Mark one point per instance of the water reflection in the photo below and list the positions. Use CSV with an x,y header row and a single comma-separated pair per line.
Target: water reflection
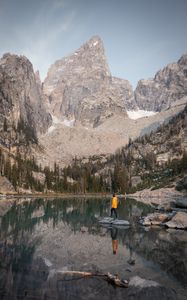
x,y
42,235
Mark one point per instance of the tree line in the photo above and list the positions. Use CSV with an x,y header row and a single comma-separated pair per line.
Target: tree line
x,y
113,174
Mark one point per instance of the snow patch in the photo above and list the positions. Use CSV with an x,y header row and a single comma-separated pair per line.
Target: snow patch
x,y
50,129
95,43
56,120
69,123
137,114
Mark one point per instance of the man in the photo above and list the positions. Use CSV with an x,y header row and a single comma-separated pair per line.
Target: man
x,y
114,206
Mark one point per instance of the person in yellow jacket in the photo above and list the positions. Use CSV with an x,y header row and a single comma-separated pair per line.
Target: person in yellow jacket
x,y
114,206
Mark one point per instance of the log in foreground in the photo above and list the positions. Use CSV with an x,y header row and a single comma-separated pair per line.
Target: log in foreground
x,y
110,278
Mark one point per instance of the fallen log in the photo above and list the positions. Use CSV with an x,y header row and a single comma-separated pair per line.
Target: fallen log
x,y
110,278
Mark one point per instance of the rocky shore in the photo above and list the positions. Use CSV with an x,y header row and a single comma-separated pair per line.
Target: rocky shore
x,y
163,197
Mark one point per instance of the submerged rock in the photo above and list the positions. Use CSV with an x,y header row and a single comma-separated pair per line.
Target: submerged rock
x,y
142,289
88,287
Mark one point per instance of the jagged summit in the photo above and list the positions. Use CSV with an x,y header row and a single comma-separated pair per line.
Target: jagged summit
x,y
89,59
168,86
80,87
183,60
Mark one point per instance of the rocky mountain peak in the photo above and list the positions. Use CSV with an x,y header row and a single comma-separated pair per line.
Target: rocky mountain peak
x,y
168,86
21,99
88,60
183,61
80,87
16,68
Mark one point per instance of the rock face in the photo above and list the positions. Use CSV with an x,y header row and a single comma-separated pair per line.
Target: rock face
x,y
5,185
168,85
81,89
21,98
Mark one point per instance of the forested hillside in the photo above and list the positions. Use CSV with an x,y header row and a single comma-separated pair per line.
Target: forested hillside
x,y
154,160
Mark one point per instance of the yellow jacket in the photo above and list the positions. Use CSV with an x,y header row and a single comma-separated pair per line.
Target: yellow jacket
x,y
114,202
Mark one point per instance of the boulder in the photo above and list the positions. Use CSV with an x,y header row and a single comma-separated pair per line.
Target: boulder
x,y
142,289
182,203
181,184
156,219
120,222
179,221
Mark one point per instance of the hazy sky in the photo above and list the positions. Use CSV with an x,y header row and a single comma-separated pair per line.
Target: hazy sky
x,y
140,36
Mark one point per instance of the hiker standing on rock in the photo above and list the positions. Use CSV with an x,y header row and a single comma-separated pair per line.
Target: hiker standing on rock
x,y
114,206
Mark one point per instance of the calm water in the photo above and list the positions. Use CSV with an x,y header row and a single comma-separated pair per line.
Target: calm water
x,y
39,238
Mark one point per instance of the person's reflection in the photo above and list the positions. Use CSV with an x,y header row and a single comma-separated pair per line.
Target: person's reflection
x,y
114,233
131,260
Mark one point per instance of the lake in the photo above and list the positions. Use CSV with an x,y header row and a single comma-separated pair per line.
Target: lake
x,y
40,238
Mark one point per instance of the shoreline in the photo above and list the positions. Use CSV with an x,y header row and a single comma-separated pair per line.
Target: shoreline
x,y
162,196
50,195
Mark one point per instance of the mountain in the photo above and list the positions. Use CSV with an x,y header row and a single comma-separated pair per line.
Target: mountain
x,y
81,89
155,160
81,109
22,108
90,107
168,86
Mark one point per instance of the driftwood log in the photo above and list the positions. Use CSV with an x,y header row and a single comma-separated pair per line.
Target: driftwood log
x,y
110,278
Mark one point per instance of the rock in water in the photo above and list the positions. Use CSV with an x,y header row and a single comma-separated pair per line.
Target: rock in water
x,y
120,222
106,220
155,219
182,203
179,221
143,289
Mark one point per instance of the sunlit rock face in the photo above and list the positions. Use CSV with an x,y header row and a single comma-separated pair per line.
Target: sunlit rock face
x,y
168,85
80,87
21,95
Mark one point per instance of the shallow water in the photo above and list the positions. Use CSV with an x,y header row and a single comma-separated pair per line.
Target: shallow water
x,y
41,237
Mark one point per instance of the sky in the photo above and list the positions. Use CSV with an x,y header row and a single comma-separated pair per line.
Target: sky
x,y
140,36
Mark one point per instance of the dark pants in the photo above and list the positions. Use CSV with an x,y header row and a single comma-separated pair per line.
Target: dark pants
x,y
115,212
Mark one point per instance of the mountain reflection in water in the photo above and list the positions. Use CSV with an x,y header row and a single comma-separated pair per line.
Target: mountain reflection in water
x,y
41,237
